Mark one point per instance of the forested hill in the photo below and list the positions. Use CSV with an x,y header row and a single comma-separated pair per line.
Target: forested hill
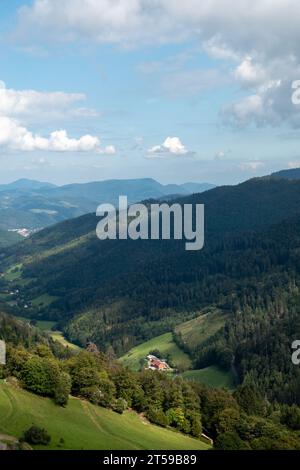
x,y
33,204
255,204
290,174
121,293
68,262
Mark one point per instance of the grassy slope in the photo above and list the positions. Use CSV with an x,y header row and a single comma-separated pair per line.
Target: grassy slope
x,y
84,426
43,300
59,337
165,344
45,325
14,272
194,333
212,377
198,330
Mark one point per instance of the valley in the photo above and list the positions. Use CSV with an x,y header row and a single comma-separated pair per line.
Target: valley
x,y
208,314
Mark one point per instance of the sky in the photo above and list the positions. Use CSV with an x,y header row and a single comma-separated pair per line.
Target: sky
x,y
198,90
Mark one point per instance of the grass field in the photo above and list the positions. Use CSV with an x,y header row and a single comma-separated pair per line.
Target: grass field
x,y
59,337
195,332
45,325
82,425
212,377
166,346
43,300
13,273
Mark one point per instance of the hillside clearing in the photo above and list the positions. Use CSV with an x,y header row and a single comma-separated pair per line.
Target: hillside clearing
x,y
59,337
43,300
212,377
13,273
165,345
197,331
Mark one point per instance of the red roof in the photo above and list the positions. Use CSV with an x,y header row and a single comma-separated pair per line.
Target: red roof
x,y
158,364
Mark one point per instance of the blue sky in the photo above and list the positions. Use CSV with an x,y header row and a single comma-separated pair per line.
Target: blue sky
x,y
95,89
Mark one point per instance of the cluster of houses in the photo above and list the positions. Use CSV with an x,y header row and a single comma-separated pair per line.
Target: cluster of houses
x,y
154,363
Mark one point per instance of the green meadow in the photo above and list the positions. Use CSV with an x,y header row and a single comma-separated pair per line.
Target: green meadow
x,y
164,344
212,377
82,425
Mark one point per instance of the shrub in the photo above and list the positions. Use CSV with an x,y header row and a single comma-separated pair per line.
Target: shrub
x,y
119,405
62,389
36,435
230,441
157,416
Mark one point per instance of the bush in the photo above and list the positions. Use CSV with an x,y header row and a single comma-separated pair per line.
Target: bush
x,y
62,389
119,405
36,435
290,416
230,441
157,416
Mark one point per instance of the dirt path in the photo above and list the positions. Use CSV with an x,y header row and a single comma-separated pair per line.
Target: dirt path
x,y
91,415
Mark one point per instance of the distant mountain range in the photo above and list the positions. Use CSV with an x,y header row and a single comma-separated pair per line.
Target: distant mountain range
x,y
24,183
34,204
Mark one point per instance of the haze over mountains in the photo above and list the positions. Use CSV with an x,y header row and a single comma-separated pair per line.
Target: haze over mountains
x,y
34,205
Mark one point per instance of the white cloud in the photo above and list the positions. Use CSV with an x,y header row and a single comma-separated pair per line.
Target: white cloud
x,y
109,150
244,110
251,166
14,136
262,36
221,154
250,73
17,107
269,105
218,49
172,146
270,25
30,104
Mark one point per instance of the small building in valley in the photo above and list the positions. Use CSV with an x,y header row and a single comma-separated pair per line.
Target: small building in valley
x,y
154,363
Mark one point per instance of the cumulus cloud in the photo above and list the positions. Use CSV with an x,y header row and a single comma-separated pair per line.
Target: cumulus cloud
x,y
269,104
17,137
17,107
261,36
172,146
271,26
249,73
